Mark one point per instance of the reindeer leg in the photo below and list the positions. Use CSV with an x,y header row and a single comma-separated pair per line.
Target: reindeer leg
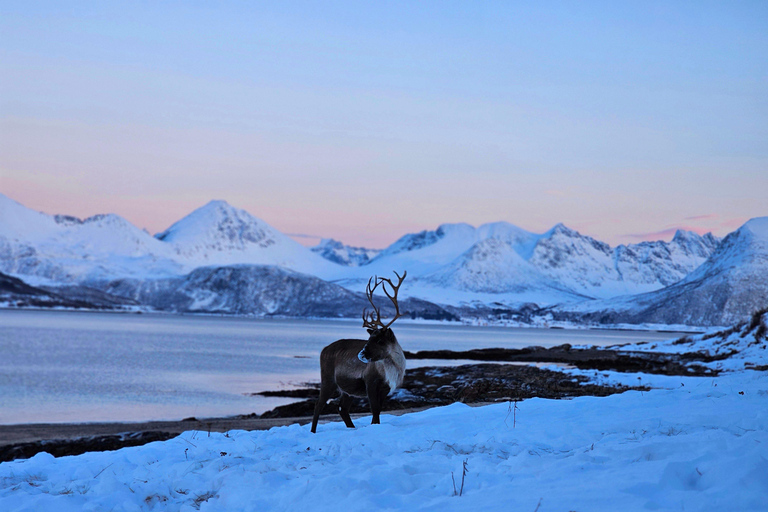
x,y
326,390
377,395
345,402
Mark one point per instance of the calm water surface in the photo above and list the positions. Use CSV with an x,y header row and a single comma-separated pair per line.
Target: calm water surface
x,y
83,367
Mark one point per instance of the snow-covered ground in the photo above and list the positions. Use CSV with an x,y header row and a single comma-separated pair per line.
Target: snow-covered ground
x,y
689,444
702,446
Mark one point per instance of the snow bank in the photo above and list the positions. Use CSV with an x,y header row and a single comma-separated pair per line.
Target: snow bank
x,y
700,446
737,348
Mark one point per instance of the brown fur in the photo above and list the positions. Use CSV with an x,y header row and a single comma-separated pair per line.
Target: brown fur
x,y
342,370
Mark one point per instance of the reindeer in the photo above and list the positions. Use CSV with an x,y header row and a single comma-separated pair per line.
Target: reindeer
x,y
370,368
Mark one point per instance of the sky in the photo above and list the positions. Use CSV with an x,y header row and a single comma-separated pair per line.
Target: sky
x,y
364,121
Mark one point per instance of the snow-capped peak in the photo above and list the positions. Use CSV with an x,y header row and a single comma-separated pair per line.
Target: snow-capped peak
x,y
220,226
64,248
448,241
19,222
220,234
337,252
730,285
757,227
746,245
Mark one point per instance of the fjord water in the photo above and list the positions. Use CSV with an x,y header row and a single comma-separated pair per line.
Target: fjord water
x,y
84,367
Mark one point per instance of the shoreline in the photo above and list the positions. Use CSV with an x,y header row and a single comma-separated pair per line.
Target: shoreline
x,y
423,388
22,441
660,328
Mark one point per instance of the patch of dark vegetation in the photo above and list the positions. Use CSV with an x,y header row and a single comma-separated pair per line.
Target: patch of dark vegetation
x,y
588,359
474,383
756,319
760,333
757,322
62,447
724,333
685,340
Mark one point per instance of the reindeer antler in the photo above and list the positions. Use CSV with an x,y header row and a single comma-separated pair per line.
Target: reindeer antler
x,y
373,320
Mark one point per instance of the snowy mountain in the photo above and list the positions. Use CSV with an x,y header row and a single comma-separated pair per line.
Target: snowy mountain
x,y
336,252
255,290
665,263
258,290
220,234
426,252
729,286
458,265
492,266
590,267
579,262
49,249
558,265
432,259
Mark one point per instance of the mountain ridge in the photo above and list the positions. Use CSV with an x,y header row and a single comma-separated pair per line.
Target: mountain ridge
x,y
728,287
495,265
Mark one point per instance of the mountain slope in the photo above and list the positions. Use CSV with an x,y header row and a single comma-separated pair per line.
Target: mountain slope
x,y
456,264
590,267
664,263
65,249
725,289
220,234
15,293
259,290
578,262
336,252
560,264
492,266
59,249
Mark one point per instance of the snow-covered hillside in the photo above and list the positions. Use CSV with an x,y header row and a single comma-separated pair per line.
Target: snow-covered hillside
x,y
727,288
458,265
493,266
691,443
253,290
560,265
337,252
428,251
664,263
49,249
593,268
220,234
260,291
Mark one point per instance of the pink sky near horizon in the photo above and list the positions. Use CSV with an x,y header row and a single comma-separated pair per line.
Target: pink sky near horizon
x,y
157,214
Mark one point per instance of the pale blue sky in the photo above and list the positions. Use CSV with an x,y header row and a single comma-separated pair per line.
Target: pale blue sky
x,y
364,121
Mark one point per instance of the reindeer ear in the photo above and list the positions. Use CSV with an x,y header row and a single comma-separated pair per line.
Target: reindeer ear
x,y
371,331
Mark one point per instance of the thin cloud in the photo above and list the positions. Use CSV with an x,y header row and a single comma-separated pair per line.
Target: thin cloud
x,y
702,217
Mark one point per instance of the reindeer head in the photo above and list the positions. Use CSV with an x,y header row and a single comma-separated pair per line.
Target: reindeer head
x,y
381,338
